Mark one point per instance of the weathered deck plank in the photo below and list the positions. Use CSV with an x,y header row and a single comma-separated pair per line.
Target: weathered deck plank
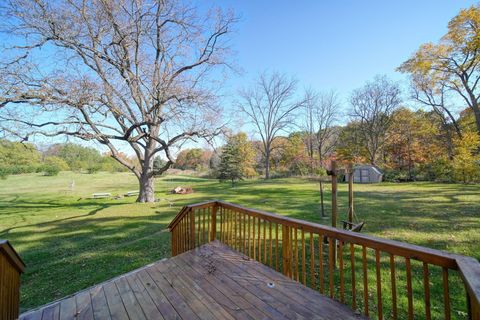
x,y
209,282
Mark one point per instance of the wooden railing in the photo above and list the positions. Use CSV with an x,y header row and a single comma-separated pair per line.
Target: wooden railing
x,y
378,277
11,267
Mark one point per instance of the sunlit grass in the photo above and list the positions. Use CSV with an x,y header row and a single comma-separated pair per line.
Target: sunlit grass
x,y
70,242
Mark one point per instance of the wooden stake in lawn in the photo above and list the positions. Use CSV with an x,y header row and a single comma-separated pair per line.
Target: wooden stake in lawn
x,y
333,174
350,193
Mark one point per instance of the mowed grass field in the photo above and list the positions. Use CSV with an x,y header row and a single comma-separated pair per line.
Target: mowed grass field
x,y
70,242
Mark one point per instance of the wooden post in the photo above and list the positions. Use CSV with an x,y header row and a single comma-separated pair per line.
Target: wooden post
x,y
350,193
213,230
334,193
334,210
11,267
286,250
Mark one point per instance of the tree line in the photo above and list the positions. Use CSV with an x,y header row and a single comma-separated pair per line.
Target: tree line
x,y
144,77
18,158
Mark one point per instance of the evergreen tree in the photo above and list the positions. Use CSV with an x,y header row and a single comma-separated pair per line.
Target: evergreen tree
x,y
236,159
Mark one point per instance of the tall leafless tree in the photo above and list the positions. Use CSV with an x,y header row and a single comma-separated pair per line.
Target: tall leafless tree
x,y
124,73
372,106
270,105
321,110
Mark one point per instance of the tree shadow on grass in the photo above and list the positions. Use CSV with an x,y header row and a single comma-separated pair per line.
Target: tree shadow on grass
x,y
51,204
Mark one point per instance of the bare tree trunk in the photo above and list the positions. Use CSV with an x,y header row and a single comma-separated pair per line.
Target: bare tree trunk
x,y
147,189
267,164
147,179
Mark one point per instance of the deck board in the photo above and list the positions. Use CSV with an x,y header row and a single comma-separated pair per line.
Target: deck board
x,y
210,282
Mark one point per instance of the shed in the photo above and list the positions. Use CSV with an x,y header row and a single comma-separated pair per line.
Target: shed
x,y
366,174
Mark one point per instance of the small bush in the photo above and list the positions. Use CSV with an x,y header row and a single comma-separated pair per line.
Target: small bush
x,y
4,172
57,162
93,169
51,170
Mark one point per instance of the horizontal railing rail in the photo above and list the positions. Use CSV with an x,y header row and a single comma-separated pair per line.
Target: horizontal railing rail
x,y
11,267
378,277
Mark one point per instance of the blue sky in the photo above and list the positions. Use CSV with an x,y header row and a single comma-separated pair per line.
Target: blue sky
x,y
333,44
329,45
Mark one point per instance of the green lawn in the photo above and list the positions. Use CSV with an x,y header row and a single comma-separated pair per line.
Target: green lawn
x,y
70,242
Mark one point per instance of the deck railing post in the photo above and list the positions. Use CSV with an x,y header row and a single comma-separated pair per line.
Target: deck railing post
x,y
213,232
286,250
192,229
11,267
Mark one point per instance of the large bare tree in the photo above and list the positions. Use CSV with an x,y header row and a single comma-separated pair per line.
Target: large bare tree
x,y
125,73
270,105
372,106
322,111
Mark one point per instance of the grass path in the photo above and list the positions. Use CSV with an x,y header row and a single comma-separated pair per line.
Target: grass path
x,y
70,242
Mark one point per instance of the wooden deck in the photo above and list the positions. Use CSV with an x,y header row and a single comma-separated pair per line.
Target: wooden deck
x,y
209,282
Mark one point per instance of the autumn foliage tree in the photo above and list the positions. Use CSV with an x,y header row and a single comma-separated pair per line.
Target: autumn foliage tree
x,y
412,141
237,159
451,66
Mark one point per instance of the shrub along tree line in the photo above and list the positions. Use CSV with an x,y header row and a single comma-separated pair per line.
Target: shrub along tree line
x,y
17,158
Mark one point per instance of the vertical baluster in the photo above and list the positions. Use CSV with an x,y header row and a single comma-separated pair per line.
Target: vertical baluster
x,y
199,223
320,264
271,247
240,231
342,285
293,246
192,227
225,226
426,286
235,230
446,293
379,285
304,260
244,233
189,233
285,250
297,262
180,236
209,223
221,224
259,239
203,228
264,241
352,265
331,260
393,281
185,234
276,246
365,280
254,239
230,227
248,236
312,262
409,288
